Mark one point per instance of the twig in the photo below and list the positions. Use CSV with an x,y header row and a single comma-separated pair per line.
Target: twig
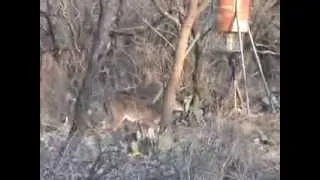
x,y
242,61
157,97
228,160
155,30
239,95
121,33
128,28
168,32
235,105
266,51
266,87
70,22
203,5
192,44
46,14
206,32
269,52
43,29
64,150
263,45
166,14
95,166
50,27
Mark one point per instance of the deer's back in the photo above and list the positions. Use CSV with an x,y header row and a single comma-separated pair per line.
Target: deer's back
x,y
133,107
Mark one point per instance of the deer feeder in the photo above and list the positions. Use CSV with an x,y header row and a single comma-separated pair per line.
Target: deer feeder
x,y
227,15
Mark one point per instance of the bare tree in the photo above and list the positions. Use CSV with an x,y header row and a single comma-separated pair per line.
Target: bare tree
x,y
195,8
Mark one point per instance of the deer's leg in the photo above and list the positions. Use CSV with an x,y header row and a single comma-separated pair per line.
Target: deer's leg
x,y
117,121
148,123
118,125
148,128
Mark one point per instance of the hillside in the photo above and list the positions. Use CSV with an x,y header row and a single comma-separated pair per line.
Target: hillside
x,y
91,49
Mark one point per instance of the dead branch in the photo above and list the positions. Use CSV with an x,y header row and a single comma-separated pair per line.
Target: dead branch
x,y
266,86
99,39
167,15
155,30
50,25
194,41
269,52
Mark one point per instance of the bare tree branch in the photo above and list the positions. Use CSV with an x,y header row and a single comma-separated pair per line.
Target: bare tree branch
x,y
155,30
50,26
170,92
166,14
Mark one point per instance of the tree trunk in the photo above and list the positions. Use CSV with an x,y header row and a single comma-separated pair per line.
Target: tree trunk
x,y
195,8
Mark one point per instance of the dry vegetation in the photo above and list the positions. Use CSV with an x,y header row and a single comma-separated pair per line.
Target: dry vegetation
x,y
90,49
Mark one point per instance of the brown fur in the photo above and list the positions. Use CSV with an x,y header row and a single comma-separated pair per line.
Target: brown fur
x,y
128,106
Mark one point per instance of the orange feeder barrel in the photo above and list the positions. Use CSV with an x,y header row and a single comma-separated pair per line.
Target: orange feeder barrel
x,y
227,15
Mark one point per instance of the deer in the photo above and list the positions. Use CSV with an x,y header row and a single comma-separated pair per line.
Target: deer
x,y
129,106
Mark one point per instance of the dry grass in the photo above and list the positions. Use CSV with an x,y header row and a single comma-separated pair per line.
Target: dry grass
x,y
219,144
201,153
